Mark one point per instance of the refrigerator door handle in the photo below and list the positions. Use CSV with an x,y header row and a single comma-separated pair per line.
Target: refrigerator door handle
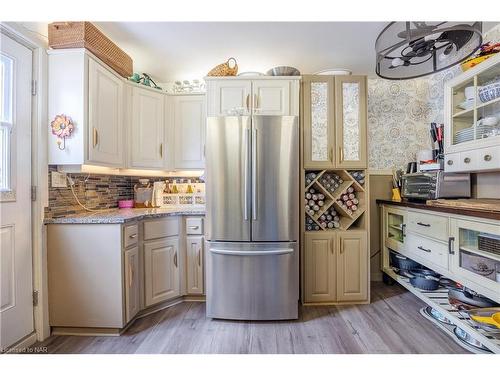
x,y
254,174
256,252
246,142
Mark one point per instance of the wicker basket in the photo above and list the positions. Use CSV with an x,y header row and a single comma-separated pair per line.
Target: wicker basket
x,y
224,69
86,35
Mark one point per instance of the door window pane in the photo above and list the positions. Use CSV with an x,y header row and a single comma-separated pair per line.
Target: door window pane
x,y
319,121
6,94
351,131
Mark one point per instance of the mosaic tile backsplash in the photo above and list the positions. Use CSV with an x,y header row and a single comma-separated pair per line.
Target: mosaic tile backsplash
x,y
95,191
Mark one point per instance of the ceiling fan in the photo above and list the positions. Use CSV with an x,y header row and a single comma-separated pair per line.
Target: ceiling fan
x,y
415,49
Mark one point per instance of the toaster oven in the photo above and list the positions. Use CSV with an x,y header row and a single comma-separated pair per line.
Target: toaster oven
x,y
436,184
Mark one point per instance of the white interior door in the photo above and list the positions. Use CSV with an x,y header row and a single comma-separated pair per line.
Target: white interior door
x,y
16,288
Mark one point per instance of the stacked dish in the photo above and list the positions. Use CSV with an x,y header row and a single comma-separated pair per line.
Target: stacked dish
x,y
466,135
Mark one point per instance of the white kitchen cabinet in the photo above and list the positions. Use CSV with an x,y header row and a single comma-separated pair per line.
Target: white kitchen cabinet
x,y
229,97
259,96
194,265
132,283
92,95
189,131
105,115
469,146
161,270
147,141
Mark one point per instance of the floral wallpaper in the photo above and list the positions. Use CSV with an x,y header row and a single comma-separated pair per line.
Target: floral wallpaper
x,y
319,120
350,104
400,113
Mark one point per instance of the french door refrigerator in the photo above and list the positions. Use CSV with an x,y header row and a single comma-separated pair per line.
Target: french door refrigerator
x,y
252,187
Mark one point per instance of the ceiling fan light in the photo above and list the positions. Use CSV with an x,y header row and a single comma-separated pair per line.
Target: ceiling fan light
x,y
414,49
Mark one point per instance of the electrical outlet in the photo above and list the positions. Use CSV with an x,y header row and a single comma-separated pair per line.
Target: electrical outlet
x,y
58,180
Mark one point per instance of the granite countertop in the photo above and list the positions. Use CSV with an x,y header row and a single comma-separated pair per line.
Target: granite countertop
x,y
118,216
494,215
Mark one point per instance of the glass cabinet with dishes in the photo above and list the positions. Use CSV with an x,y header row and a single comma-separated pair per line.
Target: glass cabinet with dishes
x,y
334,119
472,118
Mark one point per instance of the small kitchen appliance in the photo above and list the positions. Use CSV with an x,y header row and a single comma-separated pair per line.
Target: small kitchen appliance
x,y
436,184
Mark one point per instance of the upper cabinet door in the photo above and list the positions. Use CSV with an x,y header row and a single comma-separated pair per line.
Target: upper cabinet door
x,y
147,135
272,97
229,97
318,120
350,119
189,132
105,130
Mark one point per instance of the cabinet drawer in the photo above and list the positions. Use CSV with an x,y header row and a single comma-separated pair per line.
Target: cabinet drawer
x,y
130,235
452,162
161,228
469,160
194,225
428,250
428,225
488,158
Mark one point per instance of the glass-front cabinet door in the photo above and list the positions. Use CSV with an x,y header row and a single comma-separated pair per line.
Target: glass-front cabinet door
x,y
350,121
395,228
475,256
318,116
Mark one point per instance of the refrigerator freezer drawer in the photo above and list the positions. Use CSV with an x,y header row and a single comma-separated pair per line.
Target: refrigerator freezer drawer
x,y
252,281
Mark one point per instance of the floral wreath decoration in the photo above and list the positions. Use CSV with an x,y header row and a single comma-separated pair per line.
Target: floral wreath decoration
x,y
62,126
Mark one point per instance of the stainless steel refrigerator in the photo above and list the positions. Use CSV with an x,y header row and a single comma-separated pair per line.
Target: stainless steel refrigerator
x,y
252,187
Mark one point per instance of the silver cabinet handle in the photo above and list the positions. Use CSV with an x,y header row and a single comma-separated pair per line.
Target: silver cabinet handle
x,y
130,275
423,224
161,150
193,226
449,162
248,102
423,249
199,257
451,242
467,160
487,157
246,142
254,174
175,259
133,235
251,253
403,229
255,101
95,138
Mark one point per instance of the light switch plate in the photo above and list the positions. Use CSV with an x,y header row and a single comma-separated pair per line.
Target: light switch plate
x,y
58,180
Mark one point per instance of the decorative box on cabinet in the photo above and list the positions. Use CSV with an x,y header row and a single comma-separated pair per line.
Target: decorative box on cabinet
x,y
89,92
474,149
259,96
334,121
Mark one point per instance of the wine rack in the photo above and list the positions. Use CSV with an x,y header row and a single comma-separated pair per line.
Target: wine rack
x,y
333,199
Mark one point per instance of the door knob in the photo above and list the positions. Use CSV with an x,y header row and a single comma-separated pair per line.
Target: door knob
x,y
467,160
487,157
449,162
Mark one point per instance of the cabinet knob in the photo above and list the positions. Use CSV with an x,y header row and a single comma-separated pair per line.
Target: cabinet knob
x,y
449,162
487,157
467,160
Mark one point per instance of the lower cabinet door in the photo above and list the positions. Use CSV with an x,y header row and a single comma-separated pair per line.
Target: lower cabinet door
x,y
319,259
194,250
132,285
352,267
161,270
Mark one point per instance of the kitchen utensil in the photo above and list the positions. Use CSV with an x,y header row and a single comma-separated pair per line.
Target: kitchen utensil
x,y
469,297
466,104
425,279
468,339
488,121
490,91
128,203
143,194
493,320
437,315
334,72
401,262
283,71
470,92
229,68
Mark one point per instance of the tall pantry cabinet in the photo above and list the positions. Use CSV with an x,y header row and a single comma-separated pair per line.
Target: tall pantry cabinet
x,y
334,190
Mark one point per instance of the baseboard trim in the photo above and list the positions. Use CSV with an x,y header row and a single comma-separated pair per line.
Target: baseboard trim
x,y
22,346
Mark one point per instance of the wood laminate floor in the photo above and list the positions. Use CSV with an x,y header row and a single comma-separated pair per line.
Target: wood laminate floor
x,y
390,324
